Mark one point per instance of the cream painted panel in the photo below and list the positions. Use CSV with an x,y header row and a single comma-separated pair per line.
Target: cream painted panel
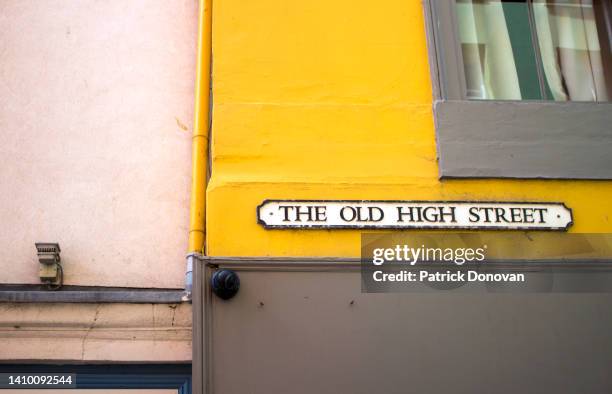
x,y
95,332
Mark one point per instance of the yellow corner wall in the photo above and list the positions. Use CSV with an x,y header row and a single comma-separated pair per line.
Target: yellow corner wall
x,y
333,100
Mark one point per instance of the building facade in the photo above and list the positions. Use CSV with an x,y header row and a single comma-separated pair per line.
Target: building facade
x,y
307,104
324,102
96,115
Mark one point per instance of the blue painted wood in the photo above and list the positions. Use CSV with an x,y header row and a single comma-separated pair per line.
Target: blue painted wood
x,y
116,376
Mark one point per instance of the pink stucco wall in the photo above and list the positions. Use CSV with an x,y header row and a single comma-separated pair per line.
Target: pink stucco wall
x,y
96,102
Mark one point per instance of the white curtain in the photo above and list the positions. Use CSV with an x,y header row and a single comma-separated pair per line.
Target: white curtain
x,y
571,54
490,69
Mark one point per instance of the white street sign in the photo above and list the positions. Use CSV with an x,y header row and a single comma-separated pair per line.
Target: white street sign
x,y
335,214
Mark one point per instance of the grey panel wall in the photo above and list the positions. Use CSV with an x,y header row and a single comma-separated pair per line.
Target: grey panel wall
x,y
298,331
524,139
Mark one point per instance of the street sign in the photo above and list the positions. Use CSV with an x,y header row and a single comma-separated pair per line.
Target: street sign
x,y
485,215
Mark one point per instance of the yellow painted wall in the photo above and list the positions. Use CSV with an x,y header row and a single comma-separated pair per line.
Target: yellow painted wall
x,y
333,100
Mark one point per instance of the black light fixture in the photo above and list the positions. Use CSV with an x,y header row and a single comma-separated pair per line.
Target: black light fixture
x,y
225,283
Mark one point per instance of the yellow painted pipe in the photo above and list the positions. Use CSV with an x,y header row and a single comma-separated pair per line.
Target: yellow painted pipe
x,y
200,130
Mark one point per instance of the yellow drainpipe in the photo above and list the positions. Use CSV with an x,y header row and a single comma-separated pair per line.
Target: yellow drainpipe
x,y
200,131
199,150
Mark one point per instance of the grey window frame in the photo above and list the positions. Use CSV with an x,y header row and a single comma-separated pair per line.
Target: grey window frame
x,y
503,138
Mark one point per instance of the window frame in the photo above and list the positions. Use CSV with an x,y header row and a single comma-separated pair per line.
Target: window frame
x,y
508,138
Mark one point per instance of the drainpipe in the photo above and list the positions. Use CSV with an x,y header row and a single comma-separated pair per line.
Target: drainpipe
x,y
199,155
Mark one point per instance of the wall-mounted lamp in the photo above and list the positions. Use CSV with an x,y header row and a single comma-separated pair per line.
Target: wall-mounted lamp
x,y
50,272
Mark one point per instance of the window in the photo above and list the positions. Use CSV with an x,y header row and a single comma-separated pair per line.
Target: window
x,y
523,88
536,49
